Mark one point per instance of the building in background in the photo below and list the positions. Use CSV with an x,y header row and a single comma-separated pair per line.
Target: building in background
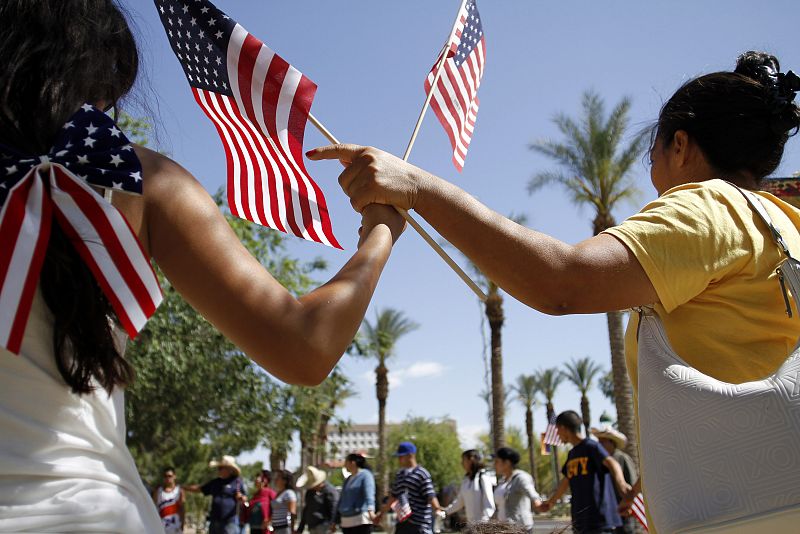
x,y
362,439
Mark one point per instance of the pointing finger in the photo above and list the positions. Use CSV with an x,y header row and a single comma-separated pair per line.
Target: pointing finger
x,y
342,152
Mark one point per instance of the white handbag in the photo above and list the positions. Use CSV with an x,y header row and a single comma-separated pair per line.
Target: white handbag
x,y
720,457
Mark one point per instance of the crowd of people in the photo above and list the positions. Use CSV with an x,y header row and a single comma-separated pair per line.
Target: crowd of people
x,y
598,474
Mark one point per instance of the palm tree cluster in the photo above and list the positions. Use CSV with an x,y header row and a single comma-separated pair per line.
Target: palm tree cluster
x,y
544,382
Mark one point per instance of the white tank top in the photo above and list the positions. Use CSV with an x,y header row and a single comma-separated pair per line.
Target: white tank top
x,y
64,465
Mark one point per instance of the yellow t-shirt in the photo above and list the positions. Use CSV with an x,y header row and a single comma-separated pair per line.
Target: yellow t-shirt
x,y
712,263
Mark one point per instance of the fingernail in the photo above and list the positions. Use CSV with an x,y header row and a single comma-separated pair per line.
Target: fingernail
x,y
311,152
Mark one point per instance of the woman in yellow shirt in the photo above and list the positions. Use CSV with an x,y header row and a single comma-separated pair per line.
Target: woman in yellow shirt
x,y
698,253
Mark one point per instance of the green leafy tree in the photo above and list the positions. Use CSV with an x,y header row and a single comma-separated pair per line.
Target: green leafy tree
x,y
337,389
582,373
596,172
438,448
526,390
379,340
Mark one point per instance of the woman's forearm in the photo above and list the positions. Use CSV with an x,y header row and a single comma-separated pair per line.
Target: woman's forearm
x,y
527,264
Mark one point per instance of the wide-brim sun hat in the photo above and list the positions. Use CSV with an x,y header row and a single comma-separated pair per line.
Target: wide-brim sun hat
x,y
312,478
611,433
226,461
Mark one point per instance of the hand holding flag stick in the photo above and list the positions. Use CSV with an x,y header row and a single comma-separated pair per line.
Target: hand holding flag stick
x,y
415,225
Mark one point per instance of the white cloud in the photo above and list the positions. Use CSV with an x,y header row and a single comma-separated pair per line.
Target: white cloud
x,y
416,370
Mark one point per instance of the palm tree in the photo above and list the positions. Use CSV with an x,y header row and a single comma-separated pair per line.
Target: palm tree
x,y
596,172
380,339
581,373
526,389
495,316
549,380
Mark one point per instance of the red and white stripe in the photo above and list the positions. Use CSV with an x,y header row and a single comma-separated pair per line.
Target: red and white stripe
x,y
638,510
455,98
262,129
100,234
551,435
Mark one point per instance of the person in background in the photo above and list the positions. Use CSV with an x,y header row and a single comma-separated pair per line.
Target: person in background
x,y
413,491
319,505
614,441
170,501
257,512
227,495
355,512
515,494
475,494
588,474
284,505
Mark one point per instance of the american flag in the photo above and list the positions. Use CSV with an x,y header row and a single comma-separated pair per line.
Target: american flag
x,y
259,105
38,191
551,433
455,98
638,511
402,508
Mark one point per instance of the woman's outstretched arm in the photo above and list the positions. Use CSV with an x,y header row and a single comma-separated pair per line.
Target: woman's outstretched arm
x,y
299,340
597,275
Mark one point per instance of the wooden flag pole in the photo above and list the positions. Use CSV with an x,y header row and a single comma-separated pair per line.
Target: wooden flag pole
x,y
415,225
436,76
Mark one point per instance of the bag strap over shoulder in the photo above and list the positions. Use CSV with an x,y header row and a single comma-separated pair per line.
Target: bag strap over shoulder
x,y
789,270
757,206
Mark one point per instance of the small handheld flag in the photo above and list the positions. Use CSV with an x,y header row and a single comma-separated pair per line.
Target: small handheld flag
x,y
638,510
455,95
551,433
259,104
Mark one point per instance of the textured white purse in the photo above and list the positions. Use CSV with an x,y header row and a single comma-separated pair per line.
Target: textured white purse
x,y
720,457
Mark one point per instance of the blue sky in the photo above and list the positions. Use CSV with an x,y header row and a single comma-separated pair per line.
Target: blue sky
x,y
370,58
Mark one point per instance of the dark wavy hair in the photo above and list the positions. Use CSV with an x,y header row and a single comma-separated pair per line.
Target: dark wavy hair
x,y
58,55
476,464
741,120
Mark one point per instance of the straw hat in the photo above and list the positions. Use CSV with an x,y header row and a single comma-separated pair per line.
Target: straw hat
x,y
312,478
610,433
226,461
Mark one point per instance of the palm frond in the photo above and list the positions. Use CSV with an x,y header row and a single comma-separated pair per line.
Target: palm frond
x,y
581,373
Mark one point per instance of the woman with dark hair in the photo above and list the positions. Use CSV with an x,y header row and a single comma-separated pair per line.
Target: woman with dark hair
x,y
356,509
74,265
475,494
284,505
699,255
515,494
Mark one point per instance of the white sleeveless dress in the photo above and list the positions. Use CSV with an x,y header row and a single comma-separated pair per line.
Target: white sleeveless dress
x,y
64,465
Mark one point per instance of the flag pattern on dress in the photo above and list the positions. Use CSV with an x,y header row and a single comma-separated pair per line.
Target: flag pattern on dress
x,y
259,105
638,510
551,432
455,97
88,151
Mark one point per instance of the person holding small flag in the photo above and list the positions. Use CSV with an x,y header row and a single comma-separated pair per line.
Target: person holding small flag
x,y
83,211
413,497
614,441
710,267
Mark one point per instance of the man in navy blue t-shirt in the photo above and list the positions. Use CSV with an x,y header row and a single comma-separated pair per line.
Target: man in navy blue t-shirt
x,y
588,473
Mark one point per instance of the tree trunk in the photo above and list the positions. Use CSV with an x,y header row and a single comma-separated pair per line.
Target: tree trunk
x,y
623,393
494,314
531,442
586,414
277,460
322,450
382,392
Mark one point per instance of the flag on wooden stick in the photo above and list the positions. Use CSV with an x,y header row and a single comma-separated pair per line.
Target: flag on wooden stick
x,y
259,104
455,96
